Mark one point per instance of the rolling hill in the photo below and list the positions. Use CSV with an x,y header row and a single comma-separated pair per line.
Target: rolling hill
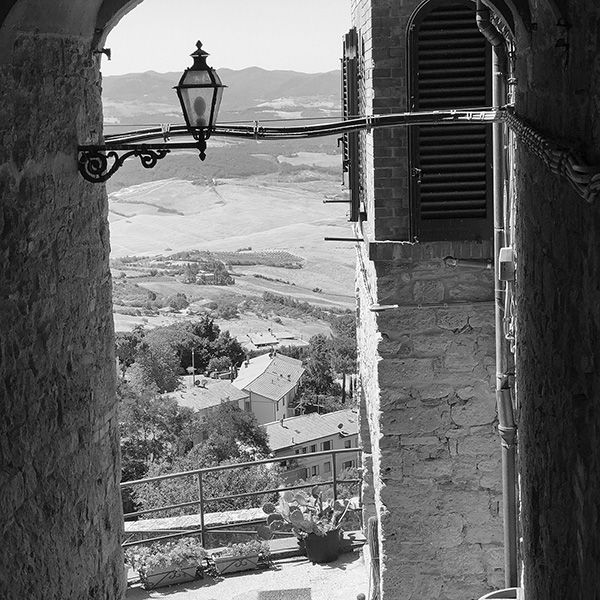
x,y
246,194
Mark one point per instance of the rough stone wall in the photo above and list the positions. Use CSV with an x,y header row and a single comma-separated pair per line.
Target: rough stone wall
x,y
60,514
558,275
429,375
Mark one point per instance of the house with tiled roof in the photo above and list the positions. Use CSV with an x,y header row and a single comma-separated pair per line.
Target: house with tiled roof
x,y
297,438
271,382
205,395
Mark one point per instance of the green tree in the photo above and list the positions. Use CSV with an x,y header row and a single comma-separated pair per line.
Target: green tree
x,y
156,365
153,428
127,346
178,302
234,433
214,484
221,363
318,376
234,436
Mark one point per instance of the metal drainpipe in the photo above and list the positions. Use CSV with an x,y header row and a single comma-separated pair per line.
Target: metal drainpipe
x,y
506,424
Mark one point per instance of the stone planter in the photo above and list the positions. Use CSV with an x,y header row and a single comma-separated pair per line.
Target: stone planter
x,y
323,548
234,564
169,576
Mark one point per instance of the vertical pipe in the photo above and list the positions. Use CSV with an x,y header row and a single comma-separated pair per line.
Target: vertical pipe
x,y
334,476
506,425
503,397
201,500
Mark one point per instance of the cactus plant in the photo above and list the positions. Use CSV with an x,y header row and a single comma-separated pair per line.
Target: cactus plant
x,y
303,514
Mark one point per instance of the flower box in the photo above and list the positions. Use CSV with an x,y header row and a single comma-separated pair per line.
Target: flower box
x,y
170,576
234,564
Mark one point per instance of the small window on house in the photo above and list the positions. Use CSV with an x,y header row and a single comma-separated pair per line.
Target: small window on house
x,y
348,464
327,467
347,443
297,451
326,445
313,448
314,470
247,405
304,450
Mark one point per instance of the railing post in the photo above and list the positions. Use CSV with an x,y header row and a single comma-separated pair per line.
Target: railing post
x,y
334,475
201,500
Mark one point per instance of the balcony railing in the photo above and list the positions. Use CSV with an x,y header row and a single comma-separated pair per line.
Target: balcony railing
x,y
202,501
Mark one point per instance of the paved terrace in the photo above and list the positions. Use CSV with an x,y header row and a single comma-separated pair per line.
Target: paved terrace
x,y
291,577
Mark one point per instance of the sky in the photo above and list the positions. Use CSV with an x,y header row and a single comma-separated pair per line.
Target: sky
x,y
296,35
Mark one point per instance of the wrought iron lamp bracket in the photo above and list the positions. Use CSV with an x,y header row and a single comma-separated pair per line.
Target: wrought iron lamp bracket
x,y
99,163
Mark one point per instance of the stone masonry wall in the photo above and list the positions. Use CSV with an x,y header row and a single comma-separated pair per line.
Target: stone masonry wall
x,y
60,512
558,307
429,376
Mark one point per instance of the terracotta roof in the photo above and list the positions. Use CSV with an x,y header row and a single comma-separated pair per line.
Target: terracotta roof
x,y
211,392
307,428
263,339
270,376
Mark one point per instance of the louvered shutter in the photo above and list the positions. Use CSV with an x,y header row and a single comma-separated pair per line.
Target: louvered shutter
x,y
451,178
350,141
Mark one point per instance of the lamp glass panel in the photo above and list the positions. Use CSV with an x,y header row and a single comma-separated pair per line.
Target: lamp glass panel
x,y
197,104
191,77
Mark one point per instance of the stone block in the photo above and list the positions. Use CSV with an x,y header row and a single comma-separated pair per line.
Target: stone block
x,y
428,292
479,410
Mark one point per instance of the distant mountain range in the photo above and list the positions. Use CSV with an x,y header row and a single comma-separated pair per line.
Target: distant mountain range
x,y
251,94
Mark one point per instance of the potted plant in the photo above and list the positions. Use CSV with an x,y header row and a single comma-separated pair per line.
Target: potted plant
x,y
315,522
240,557
167,563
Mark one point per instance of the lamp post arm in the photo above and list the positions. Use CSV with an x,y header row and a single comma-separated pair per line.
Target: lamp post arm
x,y
97,163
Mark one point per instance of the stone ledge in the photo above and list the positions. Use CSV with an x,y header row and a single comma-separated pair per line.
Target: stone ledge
x,y
389,250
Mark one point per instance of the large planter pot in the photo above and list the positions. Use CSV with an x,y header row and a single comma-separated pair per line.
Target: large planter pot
x,y
323,548
170,576
233,564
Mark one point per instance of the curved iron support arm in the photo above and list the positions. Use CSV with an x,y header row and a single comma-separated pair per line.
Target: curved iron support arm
x,y
95,166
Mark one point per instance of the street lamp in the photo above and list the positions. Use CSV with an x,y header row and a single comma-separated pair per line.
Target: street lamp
x,y
200,91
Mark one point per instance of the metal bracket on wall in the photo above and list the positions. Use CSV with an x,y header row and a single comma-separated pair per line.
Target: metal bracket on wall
x,y
94,162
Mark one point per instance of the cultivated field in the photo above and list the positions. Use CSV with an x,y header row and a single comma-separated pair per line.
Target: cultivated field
x,y
265,213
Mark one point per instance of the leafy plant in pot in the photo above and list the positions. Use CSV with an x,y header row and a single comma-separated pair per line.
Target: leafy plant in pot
x,y
314,521
241,556
167,563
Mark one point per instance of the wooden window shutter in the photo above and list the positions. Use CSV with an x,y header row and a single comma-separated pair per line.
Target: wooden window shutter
x,y
450,165
350,141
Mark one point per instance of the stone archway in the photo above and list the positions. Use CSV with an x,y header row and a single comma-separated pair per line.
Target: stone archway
x,y
61,511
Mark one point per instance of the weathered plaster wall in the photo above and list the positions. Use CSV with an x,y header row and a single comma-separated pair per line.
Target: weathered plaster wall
x,y
60,514
558,275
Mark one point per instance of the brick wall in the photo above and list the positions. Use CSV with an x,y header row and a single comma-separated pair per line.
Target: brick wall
x,y
60,514
558,349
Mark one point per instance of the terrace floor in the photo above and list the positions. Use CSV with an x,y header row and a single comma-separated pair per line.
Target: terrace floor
x,y
289,578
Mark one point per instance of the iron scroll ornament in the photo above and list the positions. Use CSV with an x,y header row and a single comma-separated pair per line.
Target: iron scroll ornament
x,y
93,163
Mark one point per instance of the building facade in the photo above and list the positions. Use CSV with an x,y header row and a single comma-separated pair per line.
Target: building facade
x,y
271,382
295,439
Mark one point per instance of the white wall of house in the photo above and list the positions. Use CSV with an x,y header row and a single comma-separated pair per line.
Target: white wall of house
x,y
304,466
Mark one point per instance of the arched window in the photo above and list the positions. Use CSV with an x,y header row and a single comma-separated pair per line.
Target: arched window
x,y
450,165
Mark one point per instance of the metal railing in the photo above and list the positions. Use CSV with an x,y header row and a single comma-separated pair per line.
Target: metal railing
x,y
202,501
